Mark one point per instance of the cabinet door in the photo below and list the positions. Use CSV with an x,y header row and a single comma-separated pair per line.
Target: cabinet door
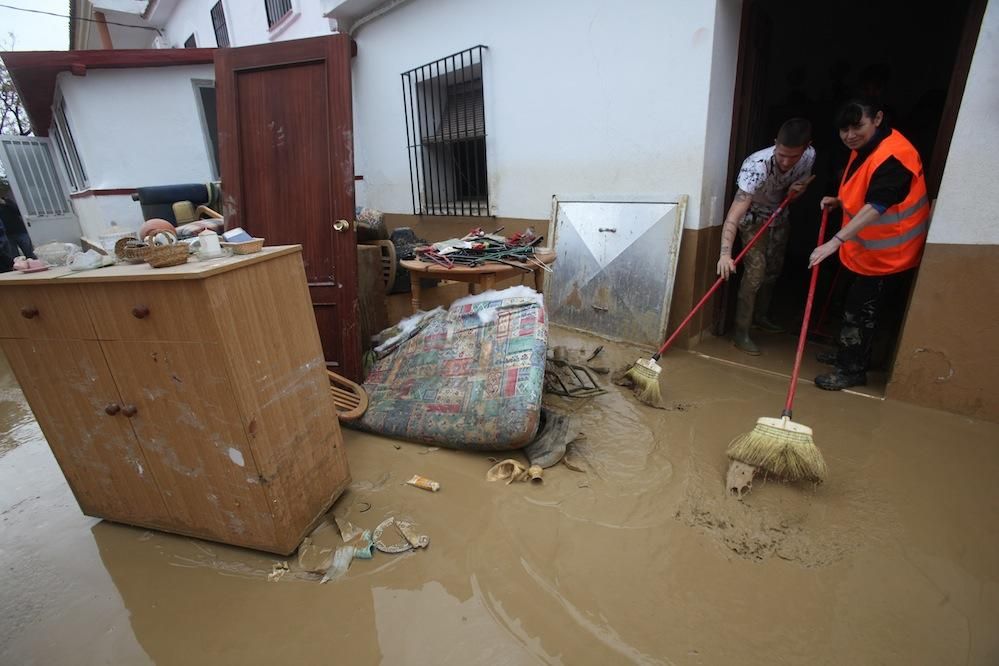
x,y
182,411
70,390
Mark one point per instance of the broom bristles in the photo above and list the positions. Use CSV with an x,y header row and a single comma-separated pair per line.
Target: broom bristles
x,y
782,448
646,381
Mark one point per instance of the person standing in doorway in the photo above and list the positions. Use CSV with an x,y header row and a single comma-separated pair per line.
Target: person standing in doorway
x,y
19,242
766,177
885,220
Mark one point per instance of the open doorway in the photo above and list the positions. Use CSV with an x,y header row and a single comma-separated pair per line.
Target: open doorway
x,y
805,59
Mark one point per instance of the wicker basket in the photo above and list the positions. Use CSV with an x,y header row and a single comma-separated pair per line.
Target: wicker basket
x,y
162,256
246,247
131,250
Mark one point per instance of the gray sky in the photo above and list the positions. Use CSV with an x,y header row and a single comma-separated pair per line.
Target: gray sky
x,y
36,32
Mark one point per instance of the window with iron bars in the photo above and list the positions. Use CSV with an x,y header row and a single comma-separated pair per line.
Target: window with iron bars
x,y
218,23
446,135
191,42
276,10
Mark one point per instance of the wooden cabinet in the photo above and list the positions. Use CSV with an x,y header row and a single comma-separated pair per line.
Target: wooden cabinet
x,y
191,399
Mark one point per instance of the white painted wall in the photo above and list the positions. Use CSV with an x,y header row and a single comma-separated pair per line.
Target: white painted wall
x,y
246,20
97,213
725,56
581,96
968,187
135,128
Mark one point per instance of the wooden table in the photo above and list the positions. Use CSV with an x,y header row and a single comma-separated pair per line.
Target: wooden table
x,y
486,275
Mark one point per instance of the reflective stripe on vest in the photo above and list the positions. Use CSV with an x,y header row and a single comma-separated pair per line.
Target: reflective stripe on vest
x,y
900,216
894,241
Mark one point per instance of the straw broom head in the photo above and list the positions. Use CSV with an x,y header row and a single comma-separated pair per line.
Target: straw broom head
x,y
781,447
645,376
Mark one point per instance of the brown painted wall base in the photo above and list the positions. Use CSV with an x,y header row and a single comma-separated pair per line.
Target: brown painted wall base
x,y
695,271
949,350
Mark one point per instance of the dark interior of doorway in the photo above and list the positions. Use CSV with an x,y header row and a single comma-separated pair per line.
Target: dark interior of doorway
x,y
805,59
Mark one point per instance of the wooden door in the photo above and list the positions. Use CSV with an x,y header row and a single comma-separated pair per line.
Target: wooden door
x,y
286,147
75,401
180,404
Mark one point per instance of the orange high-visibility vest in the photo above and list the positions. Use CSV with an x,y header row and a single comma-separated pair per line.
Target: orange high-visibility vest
x,y
894,242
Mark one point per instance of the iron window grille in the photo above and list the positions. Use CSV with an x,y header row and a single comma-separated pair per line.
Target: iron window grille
x,y
191,42
218,23
446,135
276,10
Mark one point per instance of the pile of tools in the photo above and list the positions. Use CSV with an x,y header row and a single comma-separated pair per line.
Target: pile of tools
x,y
479,247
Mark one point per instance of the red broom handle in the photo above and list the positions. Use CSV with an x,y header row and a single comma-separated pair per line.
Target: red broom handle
x,y
804,322
718,282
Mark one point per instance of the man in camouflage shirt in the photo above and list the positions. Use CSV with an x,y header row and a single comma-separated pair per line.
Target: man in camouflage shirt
x,y
764,180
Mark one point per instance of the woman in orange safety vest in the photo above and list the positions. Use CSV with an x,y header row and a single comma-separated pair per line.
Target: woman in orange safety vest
x,y
885,220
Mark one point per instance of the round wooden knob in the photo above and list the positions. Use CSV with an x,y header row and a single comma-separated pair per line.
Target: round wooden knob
x,y
129,410
29,313
140,312
112,409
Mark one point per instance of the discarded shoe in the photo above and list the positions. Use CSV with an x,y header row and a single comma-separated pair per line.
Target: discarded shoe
x,y
744,343
768,326
827,357
839,380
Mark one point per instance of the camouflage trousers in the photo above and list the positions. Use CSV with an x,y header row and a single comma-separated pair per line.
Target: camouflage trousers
x,y
760,267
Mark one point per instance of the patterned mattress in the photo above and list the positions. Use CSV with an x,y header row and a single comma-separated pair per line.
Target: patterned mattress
x,y
470,378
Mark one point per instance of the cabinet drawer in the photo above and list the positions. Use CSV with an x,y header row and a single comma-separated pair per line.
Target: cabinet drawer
x,y
40,312
172,310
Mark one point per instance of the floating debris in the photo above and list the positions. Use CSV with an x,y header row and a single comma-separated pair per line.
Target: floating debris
x,y
508,470
277,571
425,483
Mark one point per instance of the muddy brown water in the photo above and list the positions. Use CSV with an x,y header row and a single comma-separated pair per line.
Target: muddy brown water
x,y
642,558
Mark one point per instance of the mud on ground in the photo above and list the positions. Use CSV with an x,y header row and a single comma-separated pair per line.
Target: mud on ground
x,y
639,558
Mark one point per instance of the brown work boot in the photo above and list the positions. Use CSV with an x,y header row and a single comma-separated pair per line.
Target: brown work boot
x,y
742,342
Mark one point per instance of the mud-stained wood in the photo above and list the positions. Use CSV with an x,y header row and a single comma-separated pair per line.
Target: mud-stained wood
x,y
69,387
44,313
278,375
208,415
190,430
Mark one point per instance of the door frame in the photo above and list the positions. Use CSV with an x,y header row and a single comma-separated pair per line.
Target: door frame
x,y
742,116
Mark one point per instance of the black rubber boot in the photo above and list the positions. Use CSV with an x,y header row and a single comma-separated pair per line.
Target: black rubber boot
x,y
742,342
827,357
839,380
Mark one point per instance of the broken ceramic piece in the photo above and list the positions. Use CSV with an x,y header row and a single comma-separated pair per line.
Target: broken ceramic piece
x,y
348,531
740,478
341,562
508,470
408,530
278,570
313,557
363,546
391,549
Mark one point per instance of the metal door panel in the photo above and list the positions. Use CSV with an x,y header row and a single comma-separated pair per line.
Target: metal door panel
x,y
616,265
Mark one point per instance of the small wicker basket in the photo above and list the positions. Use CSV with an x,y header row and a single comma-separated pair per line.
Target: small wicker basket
x,y
162,256
246,247
131,250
